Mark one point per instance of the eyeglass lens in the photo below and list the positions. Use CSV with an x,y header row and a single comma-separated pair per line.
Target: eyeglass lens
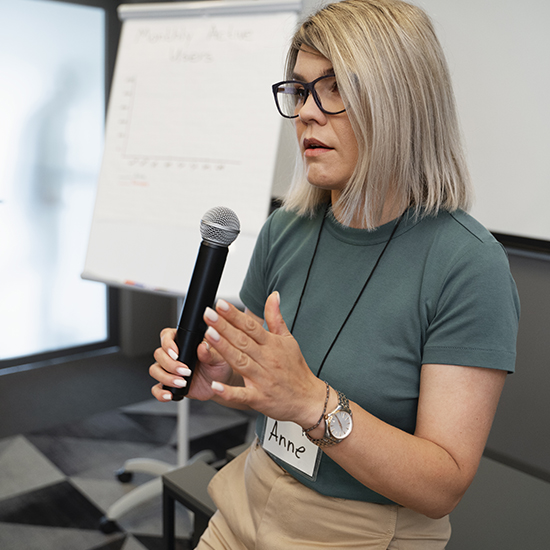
x,y
291,96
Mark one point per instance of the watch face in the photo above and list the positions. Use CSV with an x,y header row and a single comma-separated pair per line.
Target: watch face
x,y
340,424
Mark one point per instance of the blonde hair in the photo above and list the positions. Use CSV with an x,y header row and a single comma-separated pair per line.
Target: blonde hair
x,y
395,82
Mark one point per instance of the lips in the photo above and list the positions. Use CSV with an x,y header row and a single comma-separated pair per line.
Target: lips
x,y
314,148
314,144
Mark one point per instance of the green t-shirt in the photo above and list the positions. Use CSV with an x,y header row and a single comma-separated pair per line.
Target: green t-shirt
x,y
442,293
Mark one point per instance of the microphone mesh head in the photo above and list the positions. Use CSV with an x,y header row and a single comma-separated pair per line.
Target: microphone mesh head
x,y
220,226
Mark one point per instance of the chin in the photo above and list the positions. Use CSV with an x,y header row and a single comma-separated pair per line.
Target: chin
x,y
324,183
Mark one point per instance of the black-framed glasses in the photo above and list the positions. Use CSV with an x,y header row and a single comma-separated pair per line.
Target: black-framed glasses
x,y
291,95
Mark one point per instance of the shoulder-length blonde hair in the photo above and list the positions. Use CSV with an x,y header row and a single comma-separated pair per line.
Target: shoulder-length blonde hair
x,y
395,82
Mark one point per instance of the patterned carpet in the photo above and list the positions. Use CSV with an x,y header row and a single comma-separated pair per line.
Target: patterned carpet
x,y
56,485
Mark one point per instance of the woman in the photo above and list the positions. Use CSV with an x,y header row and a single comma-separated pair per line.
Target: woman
x,y
390,314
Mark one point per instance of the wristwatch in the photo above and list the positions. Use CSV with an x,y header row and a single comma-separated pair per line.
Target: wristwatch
x,y
338,424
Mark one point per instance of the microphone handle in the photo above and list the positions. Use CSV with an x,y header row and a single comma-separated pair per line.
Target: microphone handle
x,y
201,294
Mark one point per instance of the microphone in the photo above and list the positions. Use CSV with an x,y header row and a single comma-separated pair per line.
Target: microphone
x,y
220,226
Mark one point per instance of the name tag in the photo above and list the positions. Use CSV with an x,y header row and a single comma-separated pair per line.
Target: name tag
x,y
286,441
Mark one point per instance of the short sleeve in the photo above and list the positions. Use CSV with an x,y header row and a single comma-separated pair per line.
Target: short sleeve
x,y
253,292
476,318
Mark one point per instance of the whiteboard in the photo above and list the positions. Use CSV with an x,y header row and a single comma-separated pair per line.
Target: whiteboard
x,y
499,56
191,124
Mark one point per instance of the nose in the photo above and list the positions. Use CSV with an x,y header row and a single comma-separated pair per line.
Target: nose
x,y
310,111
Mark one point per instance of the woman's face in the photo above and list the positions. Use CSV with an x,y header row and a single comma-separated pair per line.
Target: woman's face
x,y
327,142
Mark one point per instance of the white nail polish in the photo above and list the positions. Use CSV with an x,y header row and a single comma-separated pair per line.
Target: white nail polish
x,y
217,386
183,371
173,354
210,314
213,333
223,305
180,383
167,396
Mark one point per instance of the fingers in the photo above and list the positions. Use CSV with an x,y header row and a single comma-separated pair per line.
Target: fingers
x,y
161,394
236,336
270,364
233,339
235,357
273,317
167,354
231,394
240,329
239,337
168,342
208,355
169,362
242,322
167,370
159,373
245,345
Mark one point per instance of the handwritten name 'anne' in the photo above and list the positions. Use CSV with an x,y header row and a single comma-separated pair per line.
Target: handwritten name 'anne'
x,y
285,443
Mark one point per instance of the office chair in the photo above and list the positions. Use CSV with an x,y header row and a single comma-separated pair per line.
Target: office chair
x,y
156,468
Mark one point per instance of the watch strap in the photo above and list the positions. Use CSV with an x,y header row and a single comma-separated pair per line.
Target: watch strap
x,y
328,440
322,414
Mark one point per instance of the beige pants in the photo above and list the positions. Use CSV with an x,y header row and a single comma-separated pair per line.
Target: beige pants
x,y
261,507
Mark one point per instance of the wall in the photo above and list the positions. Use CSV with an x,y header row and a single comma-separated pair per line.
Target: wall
x,y
506,507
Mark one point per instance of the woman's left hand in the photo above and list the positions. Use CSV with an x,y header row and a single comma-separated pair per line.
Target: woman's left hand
x,y
277,379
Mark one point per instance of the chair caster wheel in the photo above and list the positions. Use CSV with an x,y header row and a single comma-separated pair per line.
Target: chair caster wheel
x,y
107,526
123,476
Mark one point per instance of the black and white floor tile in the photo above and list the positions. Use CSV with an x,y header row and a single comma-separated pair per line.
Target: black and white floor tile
x,y
56,485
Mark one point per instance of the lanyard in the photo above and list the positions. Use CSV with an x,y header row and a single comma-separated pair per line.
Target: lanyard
x,y
358,296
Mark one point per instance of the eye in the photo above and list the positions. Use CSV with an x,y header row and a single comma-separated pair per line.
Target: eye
x,y
299,92
332,85
296,91
290,88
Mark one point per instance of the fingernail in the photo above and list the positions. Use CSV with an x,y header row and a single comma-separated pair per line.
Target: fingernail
x,y
180,382
212,333
278,297
216,386
173,354
223,305
167,396
183,371
210,314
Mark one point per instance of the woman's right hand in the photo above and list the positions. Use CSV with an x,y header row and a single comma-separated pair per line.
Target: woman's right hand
x,y
171,372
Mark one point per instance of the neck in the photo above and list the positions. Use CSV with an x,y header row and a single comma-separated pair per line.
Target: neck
x,y
390,212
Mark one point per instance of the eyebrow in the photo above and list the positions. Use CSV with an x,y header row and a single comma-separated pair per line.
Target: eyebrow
x,y
326,72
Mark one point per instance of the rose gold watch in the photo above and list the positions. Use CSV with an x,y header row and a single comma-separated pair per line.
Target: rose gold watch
x,y
338,424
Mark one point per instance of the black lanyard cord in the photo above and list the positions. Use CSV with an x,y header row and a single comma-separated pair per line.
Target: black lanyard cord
x,y
309,268
358,296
